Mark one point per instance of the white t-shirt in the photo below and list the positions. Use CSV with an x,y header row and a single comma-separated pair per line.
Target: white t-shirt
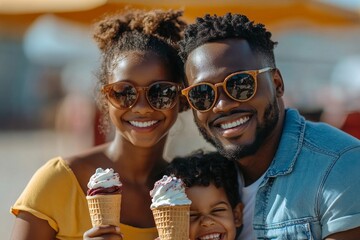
x,y
248,195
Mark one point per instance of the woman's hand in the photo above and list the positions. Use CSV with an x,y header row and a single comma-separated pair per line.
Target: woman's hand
x,y
103,233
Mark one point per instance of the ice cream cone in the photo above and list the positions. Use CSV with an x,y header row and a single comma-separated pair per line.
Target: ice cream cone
x,y
172,222
104,209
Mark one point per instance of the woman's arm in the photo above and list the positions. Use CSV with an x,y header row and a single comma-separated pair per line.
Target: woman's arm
x,y
29,227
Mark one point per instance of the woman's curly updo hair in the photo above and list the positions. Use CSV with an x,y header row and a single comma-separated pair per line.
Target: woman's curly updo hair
x,y
158,31
203,169
216,28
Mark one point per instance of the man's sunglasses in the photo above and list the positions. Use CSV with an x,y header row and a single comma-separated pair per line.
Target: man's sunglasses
x,y
239,86
160,95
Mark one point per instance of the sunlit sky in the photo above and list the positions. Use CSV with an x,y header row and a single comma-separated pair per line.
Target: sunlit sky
x,y
351,4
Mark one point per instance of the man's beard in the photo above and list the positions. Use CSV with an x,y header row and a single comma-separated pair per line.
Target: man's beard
x,y
271,118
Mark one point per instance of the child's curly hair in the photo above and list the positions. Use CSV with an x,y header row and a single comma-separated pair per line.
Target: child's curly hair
x,y
157,31
202,169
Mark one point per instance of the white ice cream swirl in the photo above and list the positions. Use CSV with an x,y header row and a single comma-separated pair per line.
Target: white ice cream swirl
x,y
104,178
169,191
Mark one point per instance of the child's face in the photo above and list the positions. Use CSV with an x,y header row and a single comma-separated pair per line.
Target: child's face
x,y
211,215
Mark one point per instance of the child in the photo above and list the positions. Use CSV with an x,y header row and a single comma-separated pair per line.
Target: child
x,y
212,186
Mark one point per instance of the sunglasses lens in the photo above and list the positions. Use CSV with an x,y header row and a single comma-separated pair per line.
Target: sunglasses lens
x,y
162,95
202,97
122,95
241,86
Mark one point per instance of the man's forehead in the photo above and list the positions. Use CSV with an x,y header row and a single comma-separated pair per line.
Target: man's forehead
x,y
221,48
219,58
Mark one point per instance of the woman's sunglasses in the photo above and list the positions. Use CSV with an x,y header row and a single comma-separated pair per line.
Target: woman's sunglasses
x,y
239,86
161,95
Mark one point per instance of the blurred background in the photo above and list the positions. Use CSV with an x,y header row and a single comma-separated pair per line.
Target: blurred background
x,y
48,62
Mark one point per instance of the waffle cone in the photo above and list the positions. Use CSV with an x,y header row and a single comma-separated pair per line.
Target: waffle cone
x,y
104,209
172,222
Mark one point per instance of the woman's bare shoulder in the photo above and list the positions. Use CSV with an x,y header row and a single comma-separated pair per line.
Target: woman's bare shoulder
x,y
84,165
91,156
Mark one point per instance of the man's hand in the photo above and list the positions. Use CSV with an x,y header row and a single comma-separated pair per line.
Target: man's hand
x,y
103,233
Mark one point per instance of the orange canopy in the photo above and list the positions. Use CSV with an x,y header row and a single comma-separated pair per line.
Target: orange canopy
x,y
273,13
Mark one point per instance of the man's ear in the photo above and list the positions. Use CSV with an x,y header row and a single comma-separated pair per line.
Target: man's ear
x,y
278,82
183,104
238,214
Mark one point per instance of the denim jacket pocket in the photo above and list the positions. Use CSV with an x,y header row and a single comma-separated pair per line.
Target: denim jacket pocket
x,y
288,231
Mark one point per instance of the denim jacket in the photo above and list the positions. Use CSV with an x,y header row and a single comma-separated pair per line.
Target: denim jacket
x,y
312,187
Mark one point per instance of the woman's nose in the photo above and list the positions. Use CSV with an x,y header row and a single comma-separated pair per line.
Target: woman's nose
x,y
142,105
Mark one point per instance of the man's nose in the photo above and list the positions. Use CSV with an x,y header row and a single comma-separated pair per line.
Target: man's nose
x,y
223,102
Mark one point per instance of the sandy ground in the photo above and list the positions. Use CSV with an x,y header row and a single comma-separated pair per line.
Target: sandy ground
x,y
22,153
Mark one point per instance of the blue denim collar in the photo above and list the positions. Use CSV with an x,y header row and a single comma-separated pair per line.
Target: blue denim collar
x,y
290,144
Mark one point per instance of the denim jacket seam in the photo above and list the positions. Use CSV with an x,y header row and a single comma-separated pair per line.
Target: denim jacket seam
x,y
321,189
327,172
328,152
335,157
292,222
269,182
318,149
347,149
300,136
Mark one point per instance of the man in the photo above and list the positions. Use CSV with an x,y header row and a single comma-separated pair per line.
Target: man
x,y
301,179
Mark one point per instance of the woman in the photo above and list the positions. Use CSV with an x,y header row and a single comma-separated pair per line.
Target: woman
x,y
140,79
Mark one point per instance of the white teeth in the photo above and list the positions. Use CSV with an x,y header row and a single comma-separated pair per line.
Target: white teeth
x,y
213,236
143,124
234,124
